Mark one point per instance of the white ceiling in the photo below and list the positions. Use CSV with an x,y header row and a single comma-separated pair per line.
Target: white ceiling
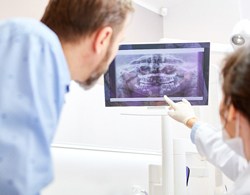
x,y
209,20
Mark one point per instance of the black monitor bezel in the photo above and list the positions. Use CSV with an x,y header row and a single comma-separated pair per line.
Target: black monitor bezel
x,y
109,80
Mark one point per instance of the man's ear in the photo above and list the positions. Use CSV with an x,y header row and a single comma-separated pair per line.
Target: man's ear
x,y
232,112
102,39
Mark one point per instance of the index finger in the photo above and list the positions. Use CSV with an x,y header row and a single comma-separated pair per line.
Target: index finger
x,y
169,101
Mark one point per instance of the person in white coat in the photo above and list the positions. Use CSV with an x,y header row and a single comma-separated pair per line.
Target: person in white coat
x,y
229,149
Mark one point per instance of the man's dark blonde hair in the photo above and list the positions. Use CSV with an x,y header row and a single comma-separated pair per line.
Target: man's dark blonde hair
x,y
73,19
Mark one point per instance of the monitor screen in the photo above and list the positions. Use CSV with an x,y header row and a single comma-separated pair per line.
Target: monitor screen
x,y
141,74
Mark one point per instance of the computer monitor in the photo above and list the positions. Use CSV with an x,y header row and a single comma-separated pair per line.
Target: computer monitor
x,y
141,74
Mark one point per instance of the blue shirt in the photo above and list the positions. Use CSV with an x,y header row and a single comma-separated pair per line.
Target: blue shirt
x,y
33,78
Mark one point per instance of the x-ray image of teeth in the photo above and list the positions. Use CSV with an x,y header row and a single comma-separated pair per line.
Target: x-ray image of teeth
x,y
157,75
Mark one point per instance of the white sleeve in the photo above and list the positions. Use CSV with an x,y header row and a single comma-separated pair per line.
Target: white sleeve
x,y
210,144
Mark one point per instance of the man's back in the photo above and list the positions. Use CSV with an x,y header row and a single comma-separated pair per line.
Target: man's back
x,y
33,79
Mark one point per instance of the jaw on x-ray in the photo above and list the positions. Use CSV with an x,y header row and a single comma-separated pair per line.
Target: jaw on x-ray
x,y
156,75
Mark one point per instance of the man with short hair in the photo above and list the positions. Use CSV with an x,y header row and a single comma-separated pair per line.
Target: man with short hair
x,y
75,40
